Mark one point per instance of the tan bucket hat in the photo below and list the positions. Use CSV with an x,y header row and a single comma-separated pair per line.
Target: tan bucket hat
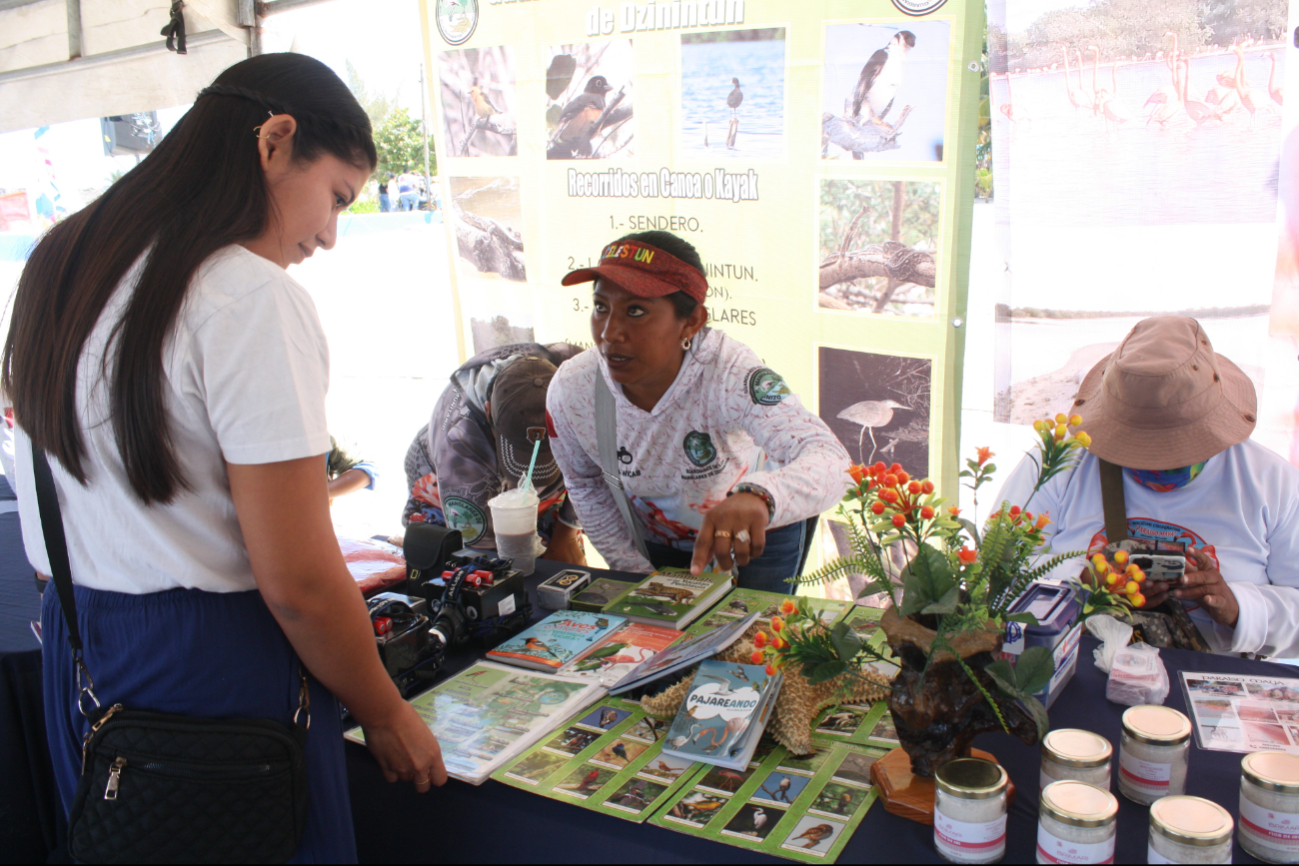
x,y
1164,399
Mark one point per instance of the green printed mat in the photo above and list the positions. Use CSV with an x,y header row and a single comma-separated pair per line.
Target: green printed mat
x,y
802,809
607,758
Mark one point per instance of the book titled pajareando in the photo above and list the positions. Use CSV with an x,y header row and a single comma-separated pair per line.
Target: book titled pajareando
x,y
724,714
672,597
558,639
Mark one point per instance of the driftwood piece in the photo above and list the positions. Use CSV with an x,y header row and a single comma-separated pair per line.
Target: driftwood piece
x,y
491,247
889,259
866,136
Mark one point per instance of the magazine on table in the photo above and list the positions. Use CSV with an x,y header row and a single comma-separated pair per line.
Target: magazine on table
x,y
682,655
617,655
488,714
1238,713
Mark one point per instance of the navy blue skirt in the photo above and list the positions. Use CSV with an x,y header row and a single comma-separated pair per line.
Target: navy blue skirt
x,y
192,653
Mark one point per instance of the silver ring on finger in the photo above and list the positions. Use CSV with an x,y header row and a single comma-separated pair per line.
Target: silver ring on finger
x,y
742,536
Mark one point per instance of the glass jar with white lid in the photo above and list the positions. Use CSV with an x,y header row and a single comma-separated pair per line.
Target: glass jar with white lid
x,y
1076,823
1189,830
1072,753
970,811
1154,750
1269,806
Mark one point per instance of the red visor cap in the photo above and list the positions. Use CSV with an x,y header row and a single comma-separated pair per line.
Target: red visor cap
x,y
643,270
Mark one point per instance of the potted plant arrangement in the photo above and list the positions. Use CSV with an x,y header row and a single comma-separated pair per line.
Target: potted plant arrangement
x,y
948,607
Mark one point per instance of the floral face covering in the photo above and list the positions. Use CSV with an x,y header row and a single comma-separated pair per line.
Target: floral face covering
x,y
1166,480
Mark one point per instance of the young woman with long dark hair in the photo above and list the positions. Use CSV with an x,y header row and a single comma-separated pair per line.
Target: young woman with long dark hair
x,y
176,376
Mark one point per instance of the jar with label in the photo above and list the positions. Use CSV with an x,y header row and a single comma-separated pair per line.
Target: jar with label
x,y
1070,753
970,811
1153,753
1269,806
1076,823
1189,830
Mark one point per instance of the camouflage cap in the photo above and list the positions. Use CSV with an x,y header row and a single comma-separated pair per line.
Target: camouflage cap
x,y
518,418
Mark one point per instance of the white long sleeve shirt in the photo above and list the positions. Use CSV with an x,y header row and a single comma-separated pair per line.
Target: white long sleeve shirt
x,y
725,419
1242,509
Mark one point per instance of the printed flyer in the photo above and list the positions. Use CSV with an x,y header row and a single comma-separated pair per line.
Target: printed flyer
x,y
798,808
1243,713
820,156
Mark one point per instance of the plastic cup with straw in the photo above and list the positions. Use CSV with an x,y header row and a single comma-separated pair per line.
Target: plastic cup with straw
x,y
514,518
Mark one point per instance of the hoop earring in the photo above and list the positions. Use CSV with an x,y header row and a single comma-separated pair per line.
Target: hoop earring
x,y
687,343
257,132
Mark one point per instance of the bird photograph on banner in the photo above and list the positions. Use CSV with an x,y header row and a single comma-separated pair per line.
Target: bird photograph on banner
x,y
878,406
589,90
879,246
884,90
478,101
733,94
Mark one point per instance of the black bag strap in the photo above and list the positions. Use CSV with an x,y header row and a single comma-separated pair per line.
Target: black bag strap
x,y
1113,502
56,548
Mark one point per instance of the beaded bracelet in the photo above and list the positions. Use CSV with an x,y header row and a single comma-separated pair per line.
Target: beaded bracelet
x,y
761,493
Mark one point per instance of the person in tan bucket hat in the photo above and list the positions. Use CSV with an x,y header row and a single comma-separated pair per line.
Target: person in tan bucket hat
x,y
1177,417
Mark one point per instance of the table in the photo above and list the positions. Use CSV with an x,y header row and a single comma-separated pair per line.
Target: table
x,y
495,823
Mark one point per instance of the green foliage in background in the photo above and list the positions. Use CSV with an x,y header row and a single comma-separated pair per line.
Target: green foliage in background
x,y
983,144
400,142
841,200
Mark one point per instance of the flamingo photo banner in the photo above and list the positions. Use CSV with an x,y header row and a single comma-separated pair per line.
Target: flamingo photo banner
x,y
1138,163
819,155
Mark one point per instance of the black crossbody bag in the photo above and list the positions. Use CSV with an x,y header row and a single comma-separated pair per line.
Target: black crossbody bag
x,y
159,788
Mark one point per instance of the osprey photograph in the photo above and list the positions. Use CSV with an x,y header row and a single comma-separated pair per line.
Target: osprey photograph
x,y
884,93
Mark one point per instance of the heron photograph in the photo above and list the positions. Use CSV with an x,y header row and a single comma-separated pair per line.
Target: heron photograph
x,y
884,91
478,101
589,90
878,246
733,94
878,406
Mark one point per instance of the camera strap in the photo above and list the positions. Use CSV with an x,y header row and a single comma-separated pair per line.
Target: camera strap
x,y
606,435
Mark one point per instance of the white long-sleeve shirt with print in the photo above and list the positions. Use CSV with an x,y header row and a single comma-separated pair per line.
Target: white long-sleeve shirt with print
x,y
726,419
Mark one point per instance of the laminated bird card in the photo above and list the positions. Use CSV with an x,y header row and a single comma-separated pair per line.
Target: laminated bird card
x,y
803,809
488,714
607,758
859,724
562,637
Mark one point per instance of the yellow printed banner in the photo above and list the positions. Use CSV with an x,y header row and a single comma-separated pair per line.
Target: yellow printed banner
x,y
819,154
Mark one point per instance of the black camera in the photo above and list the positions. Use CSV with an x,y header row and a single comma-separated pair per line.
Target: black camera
x,y
478,596
410,655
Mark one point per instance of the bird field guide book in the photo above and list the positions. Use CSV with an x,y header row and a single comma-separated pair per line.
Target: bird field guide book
x,y
724,714
672,597
562,637
607,758
620,653
598,595
683,654
803,809
743,602
488,714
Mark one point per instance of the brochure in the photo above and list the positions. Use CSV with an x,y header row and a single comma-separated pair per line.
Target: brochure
x,y
671,597
801,809
487,714
562,637
724,714
620,653
743,602
1235,713
684,654
606,758
599,594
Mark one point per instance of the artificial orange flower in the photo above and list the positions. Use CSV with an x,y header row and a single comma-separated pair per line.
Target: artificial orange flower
x,y
1042,520
787,607
757,657
760,639
954,511
967,555
926,513
927,487
771,670
878,507
858,472
985,454
899,521
914,487
779,643
776,625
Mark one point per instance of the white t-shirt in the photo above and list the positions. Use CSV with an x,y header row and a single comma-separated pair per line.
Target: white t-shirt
x,y
246,372
1242,509
717,425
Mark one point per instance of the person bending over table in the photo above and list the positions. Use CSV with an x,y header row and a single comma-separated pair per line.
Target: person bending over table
x,y
1177,417
176,377
479,442
718,459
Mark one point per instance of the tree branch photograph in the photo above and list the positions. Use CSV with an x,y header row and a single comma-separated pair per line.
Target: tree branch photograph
x,y
878,246
478,101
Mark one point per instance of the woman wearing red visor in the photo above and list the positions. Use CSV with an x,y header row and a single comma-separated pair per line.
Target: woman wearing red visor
x,y
705,454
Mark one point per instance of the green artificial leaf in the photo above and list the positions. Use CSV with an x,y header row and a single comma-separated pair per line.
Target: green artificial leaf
x,y
825,671
926,580
969,527
965,473
946,604
846,641
1038,712
1025,618
1004,676
1034,670
989,468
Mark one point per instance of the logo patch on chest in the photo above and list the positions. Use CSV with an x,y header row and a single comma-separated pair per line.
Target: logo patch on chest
x,y
699,448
